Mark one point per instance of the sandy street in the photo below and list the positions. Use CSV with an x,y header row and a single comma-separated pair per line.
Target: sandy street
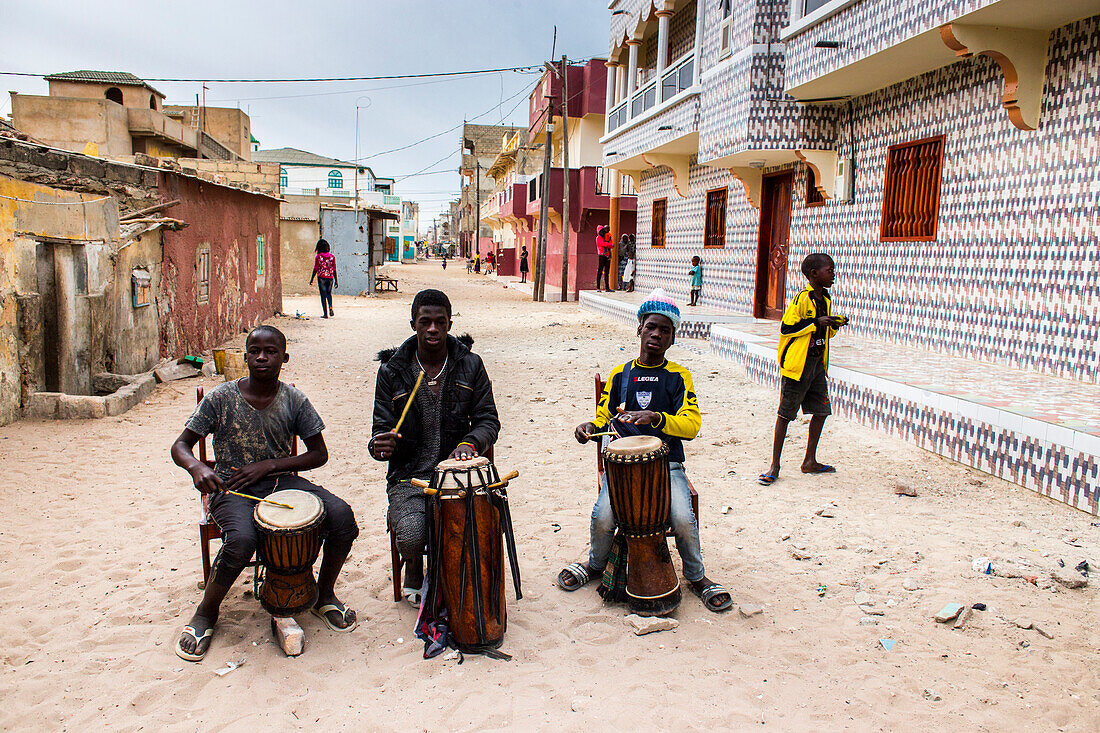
x,y
99,562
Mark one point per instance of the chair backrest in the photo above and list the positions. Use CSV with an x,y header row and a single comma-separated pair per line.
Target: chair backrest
x,y
599,453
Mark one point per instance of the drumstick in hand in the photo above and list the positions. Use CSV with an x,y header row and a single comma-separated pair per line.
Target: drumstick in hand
x,y
256,498
408,402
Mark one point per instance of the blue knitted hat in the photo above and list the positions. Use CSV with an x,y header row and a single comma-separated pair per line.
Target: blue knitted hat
x,y
661,304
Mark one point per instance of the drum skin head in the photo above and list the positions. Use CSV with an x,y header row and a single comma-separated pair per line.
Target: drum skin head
x,y
634,445
307,507
453,464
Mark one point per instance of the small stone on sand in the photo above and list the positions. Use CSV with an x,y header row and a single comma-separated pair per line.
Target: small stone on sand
x,y
748,610
649,624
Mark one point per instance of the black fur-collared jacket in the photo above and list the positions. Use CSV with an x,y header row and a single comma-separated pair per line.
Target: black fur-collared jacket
x,y
469,412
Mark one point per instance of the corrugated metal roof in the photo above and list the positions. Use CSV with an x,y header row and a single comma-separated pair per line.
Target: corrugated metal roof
x,y
103,77
294,156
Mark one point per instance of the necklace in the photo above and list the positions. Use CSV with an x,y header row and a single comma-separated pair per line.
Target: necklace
x,y
432,381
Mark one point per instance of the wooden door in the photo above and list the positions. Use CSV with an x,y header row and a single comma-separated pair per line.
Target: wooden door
x,y
771,260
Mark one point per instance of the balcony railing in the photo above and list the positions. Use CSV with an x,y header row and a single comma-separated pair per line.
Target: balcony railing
x,y
603,183
676,80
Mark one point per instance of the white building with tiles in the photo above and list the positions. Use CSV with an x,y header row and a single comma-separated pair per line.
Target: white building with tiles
x,y
944,152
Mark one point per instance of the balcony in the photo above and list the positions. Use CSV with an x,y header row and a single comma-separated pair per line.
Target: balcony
x,y
874,46
677,80
589,189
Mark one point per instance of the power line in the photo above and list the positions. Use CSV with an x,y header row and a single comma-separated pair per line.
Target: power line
x,y
452,129
301,80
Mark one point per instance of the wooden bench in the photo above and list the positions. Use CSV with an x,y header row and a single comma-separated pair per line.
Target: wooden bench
x,y
382,283
599,459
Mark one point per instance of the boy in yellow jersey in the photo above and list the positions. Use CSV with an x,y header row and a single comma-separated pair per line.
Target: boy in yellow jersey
x,y
650,396
808,324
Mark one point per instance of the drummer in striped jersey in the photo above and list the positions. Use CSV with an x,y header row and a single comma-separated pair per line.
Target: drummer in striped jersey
x,y
650,396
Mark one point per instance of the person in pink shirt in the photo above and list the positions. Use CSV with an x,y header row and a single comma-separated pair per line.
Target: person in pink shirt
x,y
324,269
603,249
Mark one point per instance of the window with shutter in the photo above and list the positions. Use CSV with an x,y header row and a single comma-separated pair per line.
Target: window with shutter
x,y
911,195
657,231
714,225
813,196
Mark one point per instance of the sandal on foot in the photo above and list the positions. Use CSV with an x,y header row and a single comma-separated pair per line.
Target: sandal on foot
x,y
200,648
821,469
412,595
766,479
322,613
709,593
578,572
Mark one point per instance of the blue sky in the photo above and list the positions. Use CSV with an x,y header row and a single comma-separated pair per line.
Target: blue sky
x,y
295,39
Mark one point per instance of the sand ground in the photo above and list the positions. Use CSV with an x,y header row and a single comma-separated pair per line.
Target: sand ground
x,y
99,563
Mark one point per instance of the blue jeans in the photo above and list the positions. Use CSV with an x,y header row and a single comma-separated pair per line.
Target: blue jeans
x,y
684,526
324,284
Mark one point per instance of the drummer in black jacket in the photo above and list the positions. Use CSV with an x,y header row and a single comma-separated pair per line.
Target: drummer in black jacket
x,y
453,415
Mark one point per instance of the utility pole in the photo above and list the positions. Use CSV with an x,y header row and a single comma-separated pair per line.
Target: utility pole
x,y
565,180
538,289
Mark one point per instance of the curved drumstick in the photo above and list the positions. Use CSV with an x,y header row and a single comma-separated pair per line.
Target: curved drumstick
x,y
256,498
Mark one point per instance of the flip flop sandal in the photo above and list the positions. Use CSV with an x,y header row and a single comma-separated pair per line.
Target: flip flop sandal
x,y
343,611
412,595
823,469
200,650
710,592
766,479
579,573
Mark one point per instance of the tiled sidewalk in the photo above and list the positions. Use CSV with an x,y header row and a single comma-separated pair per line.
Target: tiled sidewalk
x,y
1038,431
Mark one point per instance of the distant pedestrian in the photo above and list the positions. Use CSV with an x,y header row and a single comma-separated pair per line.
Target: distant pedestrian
x,y
477,263
523,267
490,262
444,260
603,249
696,273
627,252
808,324
324,269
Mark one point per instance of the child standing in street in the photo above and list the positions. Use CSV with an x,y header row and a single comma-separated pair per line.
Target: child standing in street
x,y
808,324
696,273
324,269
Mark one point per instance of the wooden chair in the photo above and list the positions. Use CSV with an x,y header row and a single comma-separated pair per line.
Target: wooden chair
x,y
599,460
396,561
208,528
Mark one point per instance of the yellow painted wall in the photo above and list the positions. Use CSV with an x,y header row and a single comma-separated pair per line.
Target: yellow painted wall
x,y
27,212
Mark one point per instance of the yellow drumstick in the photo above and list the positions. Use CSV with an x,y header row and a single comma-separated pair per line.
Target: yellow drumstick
x,y
256,498
408,402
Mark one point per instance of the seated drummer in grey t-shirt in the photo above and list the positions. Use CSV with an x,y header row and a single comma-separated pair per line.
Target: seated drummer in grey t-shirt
x,y
253,421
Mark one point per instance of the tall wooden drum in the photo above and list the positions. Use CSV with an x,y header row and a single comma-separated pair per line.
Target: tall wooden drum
x,y
640,490
288,544
470,521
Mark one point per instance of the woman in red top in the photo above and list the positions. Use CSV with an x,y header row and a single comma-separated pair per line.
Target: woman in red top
x,y
603,249
324,269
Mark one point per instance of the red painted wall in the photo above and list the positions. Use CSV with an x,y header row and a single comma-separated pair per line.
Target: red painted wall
x,y
228,220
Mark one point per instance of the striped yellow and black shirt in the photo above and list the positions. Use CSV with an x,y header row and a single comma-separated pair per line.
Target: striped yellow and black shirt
x,y
666,389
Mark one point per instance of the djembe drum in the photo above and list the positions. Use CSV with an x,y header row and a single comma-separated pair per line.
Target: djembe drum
x,y
468,518
288,544
640,490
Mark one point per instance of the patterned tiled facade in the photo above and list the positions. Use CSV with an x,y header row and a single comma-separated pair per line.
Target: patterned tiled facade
x,y
1013,277
1060,463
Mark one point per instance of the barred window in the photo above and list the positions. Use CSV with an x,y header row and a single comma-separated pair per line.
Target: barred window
x,y
911,195
657,231
714,226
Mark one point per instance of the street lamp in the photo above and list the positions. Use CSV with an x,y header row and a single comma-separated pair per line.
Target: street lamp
x,y
357,108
